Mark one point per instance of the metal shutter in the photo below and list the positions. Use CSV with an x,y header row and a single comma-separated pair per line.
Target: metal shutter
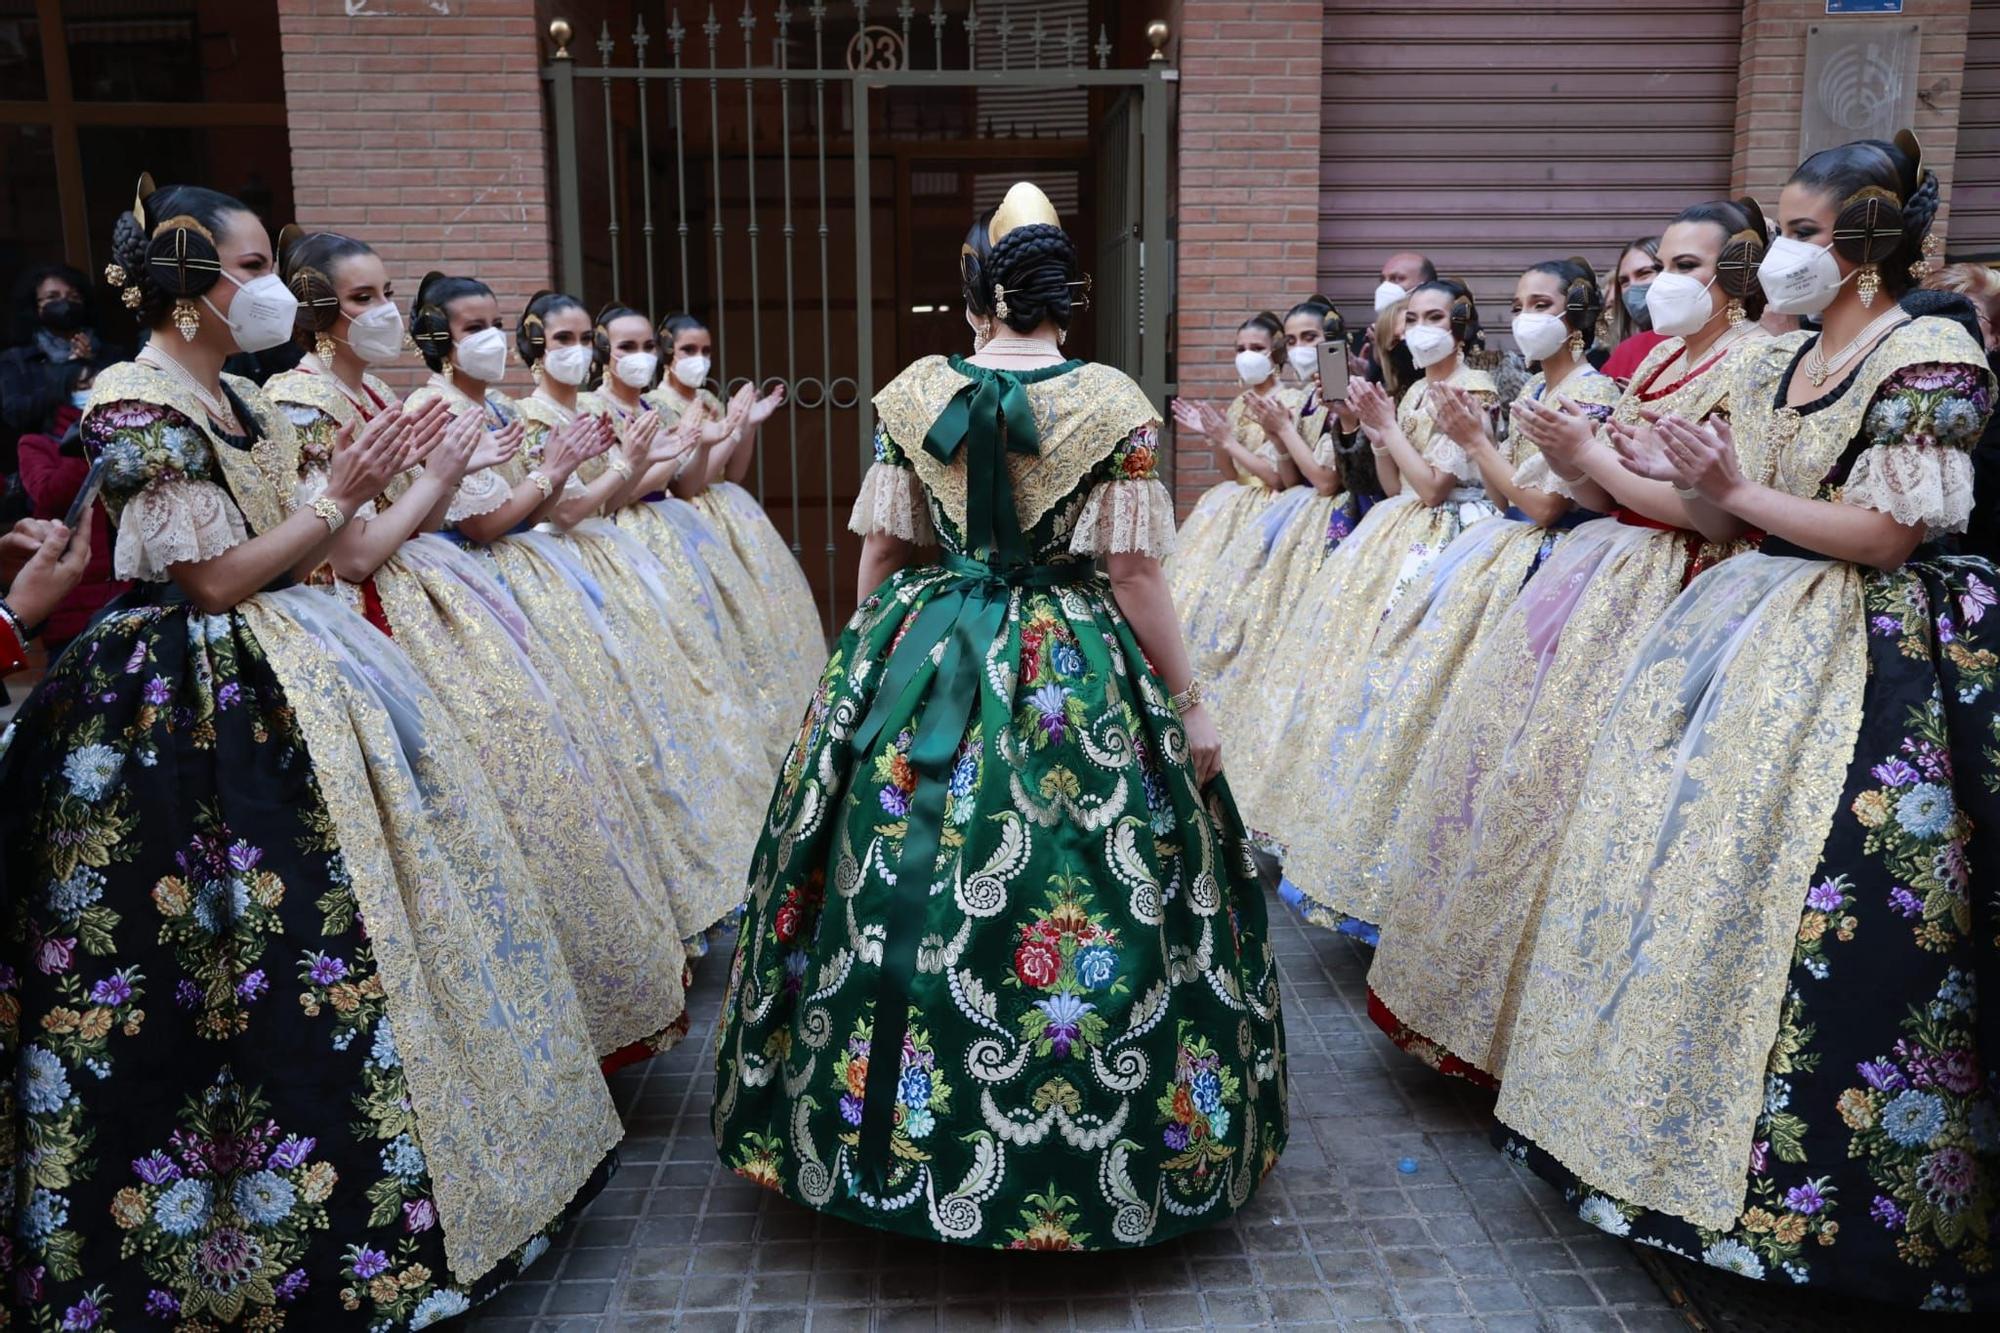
x,y
1493,135
1974,224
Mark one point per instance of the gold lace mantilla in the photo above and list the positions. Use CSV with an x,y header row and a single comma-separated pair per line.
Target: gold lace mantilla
x,y
1080,416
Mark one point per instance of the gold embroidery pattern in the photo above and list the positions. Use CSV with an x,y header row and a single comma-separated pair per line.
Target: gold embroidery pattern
x,y
785,618
511,1109
1080,417
1651,1000
1207,574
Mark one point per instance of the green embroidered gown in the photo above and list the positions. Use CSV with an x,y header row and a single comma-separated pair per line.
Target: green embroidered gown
x,y
987,852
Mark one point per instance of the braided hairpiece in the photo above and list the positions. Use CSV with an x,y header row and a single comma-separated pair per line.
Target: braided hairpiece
x,y
1033,264
1743,251
430,326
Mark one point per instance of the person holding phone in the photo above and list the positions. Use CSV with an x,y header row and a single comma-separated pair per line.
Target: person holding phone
x,y
1206,588
40,563
595,866
1428,453
239,832
1340,865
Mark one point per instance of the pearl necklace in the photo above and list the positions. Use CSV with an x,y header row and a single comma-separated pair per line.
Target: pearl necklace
x,y
1820,368
218,409
1018,346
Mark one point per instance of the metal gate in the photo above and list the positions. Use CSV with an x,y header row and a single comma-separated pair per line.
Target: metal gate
x,y
743,165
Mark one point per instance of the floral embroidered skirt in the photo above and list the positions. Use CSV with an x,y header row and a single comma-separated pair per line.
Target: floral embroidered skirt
x,y
209,1120
1874,1163
1077,990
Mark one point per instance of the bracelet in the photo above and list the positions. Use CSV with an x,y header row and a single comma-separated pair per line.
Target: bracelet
x,y
1687,493
543,482
1189,698
617,463
330,513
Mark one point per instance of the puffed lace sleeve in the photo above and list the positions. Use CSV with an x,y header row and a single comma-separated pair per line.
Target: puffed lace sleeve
x,y
480,493
159,489
1535,472
1921,430
892,501
1129,510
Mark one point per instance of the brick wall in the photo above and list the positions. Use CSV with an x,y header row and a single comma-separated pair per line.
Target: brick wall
x,y
420,132
1249,188
1774,66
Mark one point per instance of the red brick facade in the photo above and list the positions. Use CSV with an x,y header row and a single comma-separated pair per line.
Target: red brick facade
x,y
449,176
1774,69
1249,187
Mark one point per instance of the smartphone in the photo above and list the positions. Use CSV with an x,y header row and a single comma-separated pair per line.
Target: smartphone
x,y
86,495
1333,371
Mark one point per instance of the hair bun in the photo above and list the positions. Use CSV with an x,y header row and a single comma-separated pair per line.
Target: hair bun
x,y
181,258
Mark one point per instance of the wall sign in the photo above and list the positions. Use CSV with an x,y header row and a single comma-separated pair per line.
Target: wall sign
x,y
1861,82
1864,6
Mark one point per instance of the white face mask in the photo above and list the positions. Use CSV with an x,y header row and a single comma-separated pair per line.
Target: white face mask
x,y
1799,279
1253,367
568,365
261,315
1679,305
1387,295
482,355
1304,358
691,370
1429,344
1539,335
635,369
376,334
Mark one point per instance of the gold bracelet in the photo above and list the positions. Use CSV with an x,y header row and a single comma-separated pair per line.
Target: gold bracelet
x,y
1189,698
617,463
330,513
543,482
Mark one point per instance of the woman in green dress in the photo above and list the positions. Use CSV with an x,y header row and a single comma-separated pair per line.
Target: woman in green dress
x,y
999,848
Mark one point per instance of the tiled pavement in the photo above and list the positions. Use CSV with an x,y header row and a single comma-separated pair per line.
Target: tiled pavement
x,y
1337,1238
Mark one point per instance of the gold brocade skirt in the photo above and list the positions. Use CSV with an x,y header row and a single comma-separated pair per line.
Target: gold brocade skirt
x,y
781,616
1252,576
1475,841
689,694
1653,997
1200,546
1334,861
719,592
504,1084
1313,670
592,859
606,684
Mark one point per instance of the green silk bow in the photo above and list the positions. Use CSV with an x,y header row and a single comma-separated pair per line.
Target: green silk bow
x,y
989,418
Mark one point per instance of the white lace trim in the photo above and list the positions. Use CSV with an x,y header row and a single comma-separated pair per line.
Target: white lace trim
x,y
1125,517
312,485
1925,483
174,519
892,503
1536,474
1445,453
481,493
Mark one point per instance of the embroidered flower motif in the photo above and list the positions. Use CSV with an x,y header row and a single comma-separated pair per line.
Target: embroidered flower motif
x,y
92,769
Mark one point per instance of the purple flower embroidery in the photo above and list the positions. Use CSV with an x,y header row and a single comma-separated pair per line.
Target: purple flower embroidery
x,y
1177,1137
1823,897
292,1152
850,1108
252,986
1908,904
293,1286
326,970
137,659
156,1169
1885,1211
84,1314
1972,603
243,857
228,694
1947,632
1882,1075
114,990
419,1215
1887,625
156,692
895,800
370,1263
1894,772
161,1304
186,994
1805,1198
1760,1156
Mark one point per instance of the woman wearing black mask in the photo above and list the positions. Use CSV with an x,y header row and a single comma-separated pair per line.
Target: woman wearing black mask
x,y
52,326
1628,327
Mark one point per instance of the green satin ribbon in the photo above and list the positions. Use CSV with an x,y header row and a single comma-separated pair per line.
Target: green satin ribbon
x,y
965,614
989,418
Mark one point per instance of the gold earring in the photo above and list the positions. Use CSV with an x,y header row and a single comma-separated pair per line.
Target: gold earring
x,y
1735,313
187,318
1000,301
982,334
1576,343
324,348
1866,283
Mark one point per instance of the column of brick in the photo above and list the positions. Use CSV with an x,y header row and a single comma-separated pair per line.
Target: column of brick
x,y
420,133
1773,88
1248,148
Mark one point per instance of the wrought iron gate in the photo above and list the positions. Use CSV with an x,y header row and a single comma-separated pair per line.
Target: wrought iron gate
x,y
745,134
